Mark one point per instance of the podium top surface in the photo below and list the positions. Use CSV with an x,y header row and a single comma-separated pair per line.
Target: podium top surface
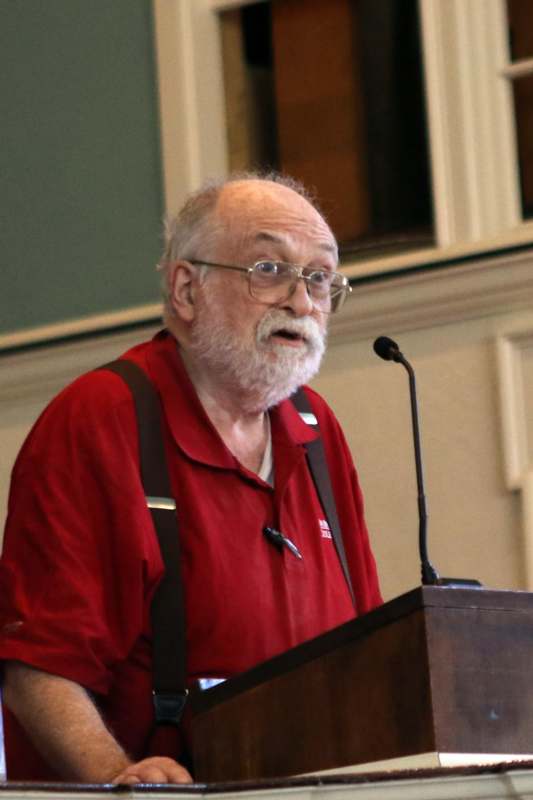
x,y
422,598
504,780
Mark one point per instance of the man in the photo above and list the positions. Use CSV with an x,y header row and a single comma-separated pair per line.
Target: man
x,y
81,561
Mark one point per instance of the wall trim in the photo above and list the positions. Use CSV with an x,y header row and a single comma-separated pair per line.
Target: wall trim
x,y
421,299
38,374
422,294
84,326
477,288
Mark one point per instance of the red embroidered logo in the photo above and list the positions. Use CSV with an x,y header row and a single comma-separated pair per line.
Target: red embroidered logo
x,y
325,530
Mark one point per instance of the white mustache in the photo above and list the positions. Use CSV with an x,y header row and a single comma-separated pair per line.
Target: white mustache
x,y
306,327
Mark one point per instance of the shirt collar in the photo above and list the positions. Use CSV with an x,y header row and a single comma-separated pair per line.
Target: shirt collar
x,y
191,428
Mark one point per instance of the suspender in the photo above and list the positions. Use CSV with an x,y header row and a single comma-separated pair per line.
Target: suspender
x,y
316,459
168,608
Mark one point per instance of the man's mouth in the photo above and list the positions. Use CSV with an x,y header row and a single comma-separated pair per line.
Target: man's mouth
x,y
288,336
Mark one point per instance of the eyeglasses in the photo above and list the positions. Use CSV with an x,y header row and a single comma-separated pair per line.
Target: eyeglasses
x,y
275,281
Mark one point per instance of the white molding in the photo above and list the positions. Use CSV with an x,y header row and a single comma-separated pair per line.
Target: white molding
x,y
35,376
471,120
511,344
191,96
513,405
480,287
377,265
434,296
439,296
497,286
73,327
527,522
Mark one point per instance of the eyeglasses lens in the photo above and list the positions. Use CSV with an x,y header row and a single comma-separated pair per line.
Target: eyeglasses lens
x,y
273,282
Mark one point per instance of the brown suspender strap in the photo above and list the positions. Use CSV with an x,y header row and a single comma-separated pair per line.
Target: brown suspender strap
x,y
316,459
168,608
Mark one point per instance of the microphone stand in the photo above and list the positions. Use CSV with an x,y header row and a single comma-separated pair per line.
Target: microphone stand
x,y
430,575
388,349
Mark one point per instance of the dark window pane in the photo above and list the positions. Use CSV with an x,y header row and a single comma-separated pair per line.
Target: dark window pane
x,y
330,91
249,88
523,103
398,172
520,15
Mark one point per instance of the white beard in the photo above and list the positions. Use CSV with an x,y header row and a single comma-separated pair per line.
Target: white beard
x,y
262,371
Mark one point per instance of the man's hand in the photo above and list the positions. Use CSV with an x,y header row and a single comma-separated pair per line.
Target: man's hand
x,y
157,769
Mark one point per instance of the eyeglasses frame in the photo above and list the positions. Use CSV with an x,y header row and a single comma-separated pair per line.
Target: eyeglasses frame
x,y
344,290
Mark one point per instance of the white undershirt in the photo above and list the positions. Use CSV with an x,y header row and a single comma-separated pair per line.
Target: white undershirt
x,y
266,470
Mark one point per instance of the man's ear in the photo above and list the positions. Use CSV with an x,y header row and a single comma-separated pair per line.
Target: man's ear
x,y
182,290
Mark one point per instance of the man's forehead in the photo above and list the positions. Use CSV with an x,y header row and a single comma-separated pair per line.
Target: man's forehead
x,y
263,211
263,202
327,244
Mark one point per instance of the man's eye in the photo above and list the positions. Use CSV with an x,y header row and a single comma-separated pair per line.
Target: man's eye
x,y
266,268
321,278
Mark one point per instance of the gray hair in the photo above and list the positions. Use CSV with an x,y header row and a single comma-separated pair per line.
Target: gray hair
x,y
194,225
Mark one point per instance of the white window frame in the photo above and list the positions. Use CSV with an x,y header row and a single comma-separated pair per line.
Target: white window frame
x,y
471,126
473,153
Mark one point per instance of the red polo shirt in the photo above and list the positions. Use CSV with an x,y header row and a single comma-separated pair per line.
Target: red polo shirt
x,y
81,560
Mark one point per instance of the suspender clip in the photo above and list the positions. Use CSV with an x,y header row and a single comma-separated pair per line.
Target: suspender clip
x,y
169,707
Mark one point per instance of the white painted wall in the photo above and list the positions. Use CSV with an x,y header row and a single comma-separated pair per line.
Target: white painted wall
x,y
474,521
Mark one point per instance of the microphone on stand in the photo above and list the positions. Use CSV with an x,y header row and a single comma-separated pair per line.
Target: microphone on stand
x,y
388,350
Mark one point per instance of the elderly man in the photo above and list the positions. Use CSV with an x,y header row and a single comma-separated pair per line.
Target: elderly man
x,y
250,277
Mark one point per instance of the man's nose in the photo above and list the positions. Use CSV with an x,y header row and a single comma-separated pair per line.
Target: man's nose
x,y
299,301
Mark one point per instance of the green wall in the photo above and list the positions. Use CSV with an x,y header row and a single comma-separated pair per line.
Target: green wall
x,y
81,203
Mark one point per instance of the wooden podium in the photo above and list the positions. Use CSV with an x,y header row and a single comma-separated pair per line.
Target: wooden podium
x,y
437,669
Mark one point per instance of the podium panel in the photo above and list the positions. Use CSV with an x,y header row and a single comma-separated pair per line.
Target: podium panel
x,y
437,669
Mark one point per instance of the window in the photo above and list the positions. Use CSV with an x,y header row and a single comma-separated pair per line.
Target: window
x,y
464,137
520,72
332,94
